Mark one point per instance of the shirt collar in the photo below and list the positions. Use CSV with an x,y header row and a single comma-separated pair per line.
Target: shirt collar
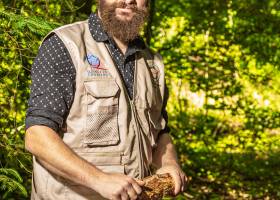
x,y
96,28
99,35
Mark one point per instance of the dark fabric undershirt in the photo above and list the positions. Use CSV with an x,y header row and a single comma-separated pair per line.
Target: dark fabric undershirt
x,y
53,77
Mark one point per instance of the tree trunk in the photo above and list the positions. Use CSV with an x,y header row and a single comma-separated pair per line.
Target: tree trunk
x,y
148,28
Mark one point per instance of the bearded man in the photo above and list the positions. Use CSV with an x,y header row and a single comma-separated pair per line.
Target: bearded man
x,y
96,121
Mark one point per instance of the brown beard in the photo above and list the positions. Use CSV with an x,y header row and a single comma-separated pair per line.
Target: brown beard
x,y
122,29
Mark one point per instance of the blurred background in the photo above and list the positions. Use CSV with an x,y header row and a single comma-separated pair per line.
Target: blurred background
x,y
222,62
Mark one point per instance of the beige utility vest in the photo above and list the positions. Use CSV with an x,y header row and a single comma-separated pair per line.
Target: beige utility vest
x,y
104,126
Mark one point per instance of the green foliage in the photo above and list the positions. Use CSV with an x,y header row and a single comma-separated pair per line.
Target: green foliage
x,y
22,27
11,181
222,63
33,24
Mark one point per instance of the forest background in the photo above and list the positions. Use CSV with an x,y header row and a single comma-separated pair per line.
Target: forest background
x,y
222,61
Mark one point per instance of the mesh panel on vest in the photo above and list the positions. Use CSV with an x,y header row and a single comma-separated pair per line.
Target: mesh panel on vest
x,y
102,128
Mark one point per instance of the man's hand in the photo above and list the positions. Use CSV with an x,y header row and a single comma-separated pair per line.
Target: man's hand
x,y
177,174
165,159
57,157
118,186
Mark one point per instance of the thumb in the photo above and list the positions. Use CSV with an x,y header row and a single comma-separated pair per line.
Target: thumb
x,y
140,182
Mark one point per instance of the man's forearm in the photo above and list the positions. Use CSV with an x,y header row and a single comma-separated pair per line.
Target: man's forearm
x,y
165,153
56,156
165,159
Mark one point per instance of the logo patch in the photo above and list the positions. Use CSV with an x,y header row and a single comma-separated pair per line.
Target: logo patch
x,y
94,73
94,62
96,68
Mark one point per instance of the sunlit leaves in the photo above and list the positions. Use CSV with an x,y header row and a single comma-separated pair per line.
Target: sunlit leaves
x,y
23,25
222,63
11,181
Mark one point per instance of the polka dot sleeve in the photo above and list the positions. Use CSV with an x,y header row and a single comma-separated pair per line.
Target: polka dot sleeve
x,y
52,88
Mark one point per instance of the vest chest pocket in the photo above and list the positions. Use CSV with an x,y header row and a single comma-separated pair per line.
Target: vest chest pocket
x,y
157,122
150,119
102,113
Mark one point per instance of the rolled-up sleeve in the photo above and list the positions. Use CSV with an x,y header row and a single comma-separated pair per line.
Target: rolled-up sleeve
x,y
53,85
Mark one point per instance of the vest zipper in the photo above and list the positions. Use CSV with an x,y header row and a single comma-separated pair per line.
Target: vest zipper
x,y
133,109
132,105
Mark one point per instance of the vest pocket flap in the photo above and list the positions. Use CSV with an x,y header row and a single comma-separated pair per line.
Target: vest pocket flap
x,y
100,89
157,120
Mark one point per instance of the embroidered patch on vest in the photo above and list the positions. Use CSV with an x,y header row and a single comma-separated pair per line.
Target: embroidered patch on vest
x,y
94,73
96,69
95,62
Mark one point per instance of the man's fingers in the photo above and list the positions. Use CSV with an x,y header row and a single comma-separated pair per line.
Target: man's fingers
x,y
131,193
140,182
178,176
177,180
186,181
124,195
137,186
183,181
